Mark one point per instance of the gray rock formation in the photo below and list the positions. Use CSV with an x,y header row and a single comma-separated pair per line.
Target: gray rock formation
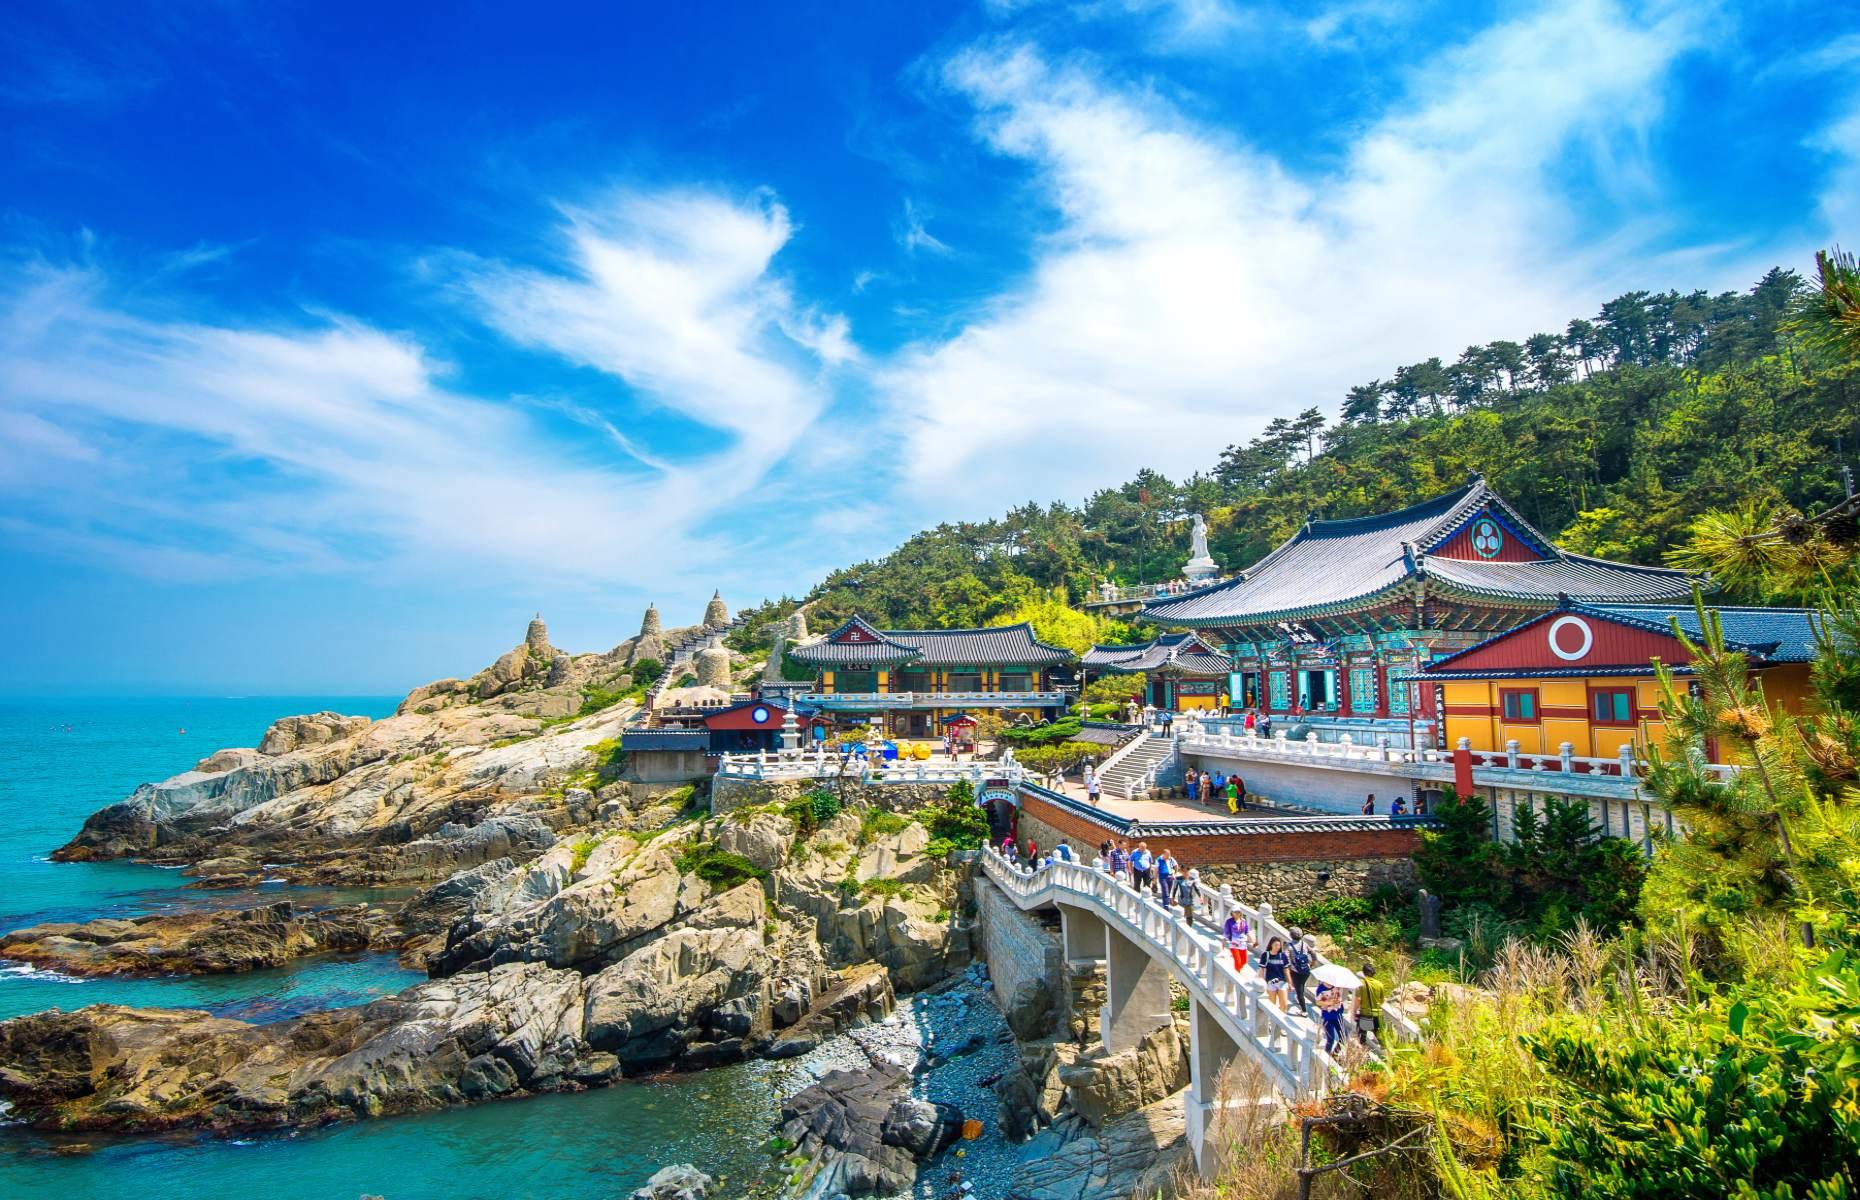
x,y
536,638
649,626
716,613
1138,1154
681,1182
317,729
205,941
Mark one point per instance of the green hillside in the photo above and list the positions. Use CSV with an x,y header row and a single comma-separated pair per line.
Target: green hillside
x,y
1613,435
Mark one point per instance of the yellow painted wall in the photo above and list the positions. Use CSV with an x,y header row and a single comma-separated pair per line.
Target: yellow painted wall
x,y
1786,685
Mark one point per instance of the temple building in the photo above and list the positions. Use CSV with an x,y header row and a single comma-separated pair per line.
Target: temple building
x,y
918,682
1325,627
1182,671
1583,674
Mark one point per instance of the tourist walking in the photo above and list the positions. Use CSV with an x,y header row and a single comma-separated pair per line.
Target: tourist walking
x,y
1235,931
1420,805
1302,946
1141,864
1165,877
1063,852
1330,1012
1033,852
1168,719
1207,783
1265,725
1398,807
1369,998
1120,861
1233,795
1191,893
1239,784
1193,785
1276,964
1369,805
1091,788
1252,720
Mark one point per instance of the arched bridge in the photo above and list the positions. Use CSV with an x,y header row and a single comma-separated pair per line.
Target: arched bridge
x,y
1144,946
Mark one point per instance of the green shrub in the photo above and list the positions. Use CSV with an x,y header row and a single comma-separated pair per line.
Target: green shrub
x,y
876,822
813,809
955,821
647,671
721,869
583,847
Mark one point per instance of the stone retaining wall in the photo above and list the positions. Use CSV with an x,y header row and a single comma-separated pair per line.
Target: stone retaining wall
x,y
728,794
1023,957
1283,884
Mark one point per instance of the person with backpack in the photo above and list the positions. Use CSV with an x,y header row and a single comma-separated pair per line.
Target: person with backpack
x,y
1301,965
1235,931
1369,1000
1063,852
1276,964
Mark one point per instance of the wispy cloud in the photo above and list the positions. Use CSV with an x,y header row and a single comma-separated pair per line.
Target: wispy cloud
x,y
912,235
331,443
1196,286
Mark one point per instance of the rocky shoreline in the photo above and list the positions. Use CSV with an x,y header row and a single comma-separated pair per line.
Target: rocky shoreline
x,y
573,932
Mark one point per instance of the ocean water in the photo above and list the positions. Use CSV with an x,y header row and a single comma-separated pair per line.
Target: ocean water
x,y
60,760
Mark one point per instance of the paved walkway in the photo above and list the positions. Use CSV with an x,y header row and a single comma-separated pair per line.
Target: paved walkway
x,y
1179,809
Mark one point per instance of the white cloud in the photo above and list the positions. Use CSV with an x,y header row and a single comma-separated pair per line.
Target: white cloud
x,y
913,236
225,449
1195,287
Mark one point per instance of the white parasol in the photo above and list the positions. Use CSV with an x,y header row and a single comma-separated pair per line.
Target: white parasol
x,y
1337,975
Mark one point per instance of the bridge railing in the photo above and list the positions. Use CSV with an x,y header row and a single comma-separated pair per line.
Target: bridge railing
x,y
820,764
1290,1050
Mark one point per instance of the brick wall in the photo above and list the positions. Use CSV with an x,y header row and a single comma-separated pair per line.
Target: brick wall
x,y
1046,823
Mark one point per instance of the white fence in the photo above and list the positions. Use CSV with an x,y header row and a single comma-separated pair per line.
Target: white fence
x,y
929,700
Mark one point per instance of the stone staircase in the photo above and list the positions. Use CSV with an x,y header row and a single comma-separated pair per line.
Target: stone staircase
x,y
1154,761
679,656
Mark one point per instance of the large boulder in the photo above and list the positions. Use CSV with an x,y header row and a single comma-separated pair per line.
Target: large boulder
x,y
765,839
317,729
596,921
1103,1087
650,1005
1138,1154
681,1182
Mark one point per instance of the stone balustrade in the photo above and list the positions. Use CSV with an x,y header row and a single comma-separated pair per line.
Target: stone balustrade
x,y
1144,946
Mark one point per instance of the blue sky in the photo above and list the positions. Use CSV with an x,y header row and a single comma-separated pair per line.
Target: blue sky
x,y
337,339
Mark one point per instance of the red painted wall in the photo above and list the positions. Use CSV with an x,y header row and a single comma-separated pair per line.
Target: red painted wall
x,y
1512,547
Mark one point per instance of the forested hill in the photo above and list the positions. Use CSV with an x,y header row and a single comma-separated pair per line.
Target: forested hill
x,y
1613,436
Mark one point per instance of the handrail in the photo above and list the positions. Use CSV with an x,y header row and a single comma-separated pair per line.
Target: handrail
x,y
1288,1049
1288,1045
1123,751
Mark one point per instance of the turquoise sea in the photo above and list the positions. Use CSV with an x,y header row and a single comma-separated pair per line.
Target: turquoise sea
x,y
60,760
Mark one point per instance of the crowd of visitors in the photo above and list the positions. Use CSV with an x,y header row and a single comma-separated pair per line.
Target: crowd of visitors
x,y
1287,965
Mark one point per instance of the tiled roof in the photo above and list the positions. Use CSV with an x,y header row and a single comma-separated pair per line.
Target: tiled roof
x,y
1331,565
1766,635
1009,644
1778,635
1178,653
665,739
869,647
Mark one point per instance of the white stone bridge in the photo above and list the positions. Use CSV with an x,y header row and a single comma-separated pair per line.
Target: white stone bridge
x,y
1143,946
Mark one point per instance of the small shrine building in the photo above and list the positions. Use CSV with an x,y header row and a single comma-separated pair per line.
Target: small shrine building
x,y
1182,671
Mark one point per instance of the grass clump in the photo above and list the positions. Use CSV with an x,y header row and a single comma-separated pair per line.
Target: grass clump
x,y
583,848
721,869
875,823
812,810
